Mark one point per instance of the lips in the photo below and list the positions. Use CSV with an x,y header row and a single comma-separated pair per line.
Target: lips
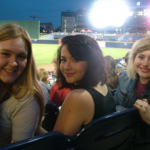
x,y
10,71
145,70
69,74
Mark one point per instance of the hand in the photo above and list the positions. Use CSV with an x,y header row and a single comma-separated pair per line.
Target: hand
x,y
144,109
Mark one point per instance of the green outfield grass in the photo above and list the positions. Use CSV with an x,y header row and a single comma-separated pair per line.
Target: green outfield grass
x,y
44,53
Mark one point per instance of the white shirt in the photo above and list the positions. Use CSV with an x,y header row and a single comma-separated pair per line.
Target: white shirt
x,y
18,119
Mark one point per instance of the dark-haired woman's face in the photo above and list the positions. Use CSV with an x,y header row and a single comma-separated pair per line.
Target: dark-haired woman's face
x,y
72,70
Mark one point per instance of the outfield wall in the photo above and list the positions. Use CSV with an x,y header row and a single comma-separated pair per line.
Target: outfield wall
x,y
45,41
127,45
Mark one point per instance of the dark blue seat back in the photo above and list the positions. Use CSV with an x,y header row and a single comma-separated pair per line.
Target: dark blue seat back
x,y
113,91
51,114
49,141
110,132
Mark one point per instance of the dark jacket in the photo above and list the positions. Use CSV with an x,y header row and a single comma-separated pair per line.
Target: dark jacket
x,y
125,95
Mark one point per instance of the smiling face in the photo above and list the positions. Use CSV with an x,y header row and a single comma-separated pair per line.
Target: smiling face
x,y
72,70
142,66
13,59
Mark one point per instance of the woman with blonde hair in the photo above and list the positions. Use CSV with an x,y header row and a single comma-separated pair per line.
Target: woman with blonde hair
x,y
134,84
112,77
21,98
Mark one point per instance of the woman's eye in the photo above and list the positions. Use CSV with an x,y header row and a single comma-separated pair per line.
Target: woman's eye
x,y
74,60
62,60
5,54
22,57
141,57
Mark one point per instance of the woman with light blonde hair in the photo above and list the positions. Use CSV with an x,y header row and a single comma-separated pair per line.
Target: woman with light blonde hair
x,y
112,77
21,98
134,84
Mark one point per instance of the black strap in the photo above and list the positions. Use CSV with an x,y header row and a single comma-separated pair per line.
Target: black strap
x,y
6,97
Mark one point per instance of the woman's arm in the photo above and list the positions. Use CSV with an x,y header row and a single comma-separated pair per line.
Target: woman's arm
x,y
77,110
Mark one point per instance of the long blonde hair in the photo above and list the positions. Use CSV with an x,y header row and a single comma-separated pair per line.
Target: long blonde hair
x,y
27,83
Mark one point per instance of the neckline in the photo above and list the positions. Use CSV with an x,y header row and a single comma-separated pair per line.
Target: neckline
x,y
6,97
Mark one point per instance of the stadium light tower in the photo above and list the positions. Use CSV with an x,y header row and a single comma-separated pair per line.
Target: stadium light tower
x,y
109,13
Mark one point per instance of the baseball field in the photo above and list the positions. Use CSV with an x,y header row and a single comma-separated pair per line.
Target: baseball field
x,y
44,54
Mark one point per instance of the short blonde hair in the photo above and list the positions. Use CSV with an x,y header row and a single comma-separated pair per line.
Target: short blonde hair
x,y
138,47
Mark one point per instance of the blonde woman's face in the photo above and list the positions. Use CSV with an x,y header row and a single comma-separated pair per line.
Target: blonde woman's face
x,y
13,59
142,66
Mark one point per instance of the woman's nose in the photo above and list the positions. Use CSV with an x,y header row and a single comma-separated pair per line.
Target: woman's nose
x,y
13,62
67,65
146,62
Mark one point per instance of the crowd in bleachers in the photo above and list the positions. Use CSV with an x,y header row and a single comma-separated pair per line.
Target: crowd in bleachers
x,y
83,87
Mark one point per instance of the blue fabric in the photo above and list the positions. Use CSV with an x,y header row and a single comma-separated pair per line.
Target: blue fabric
x,y
125,95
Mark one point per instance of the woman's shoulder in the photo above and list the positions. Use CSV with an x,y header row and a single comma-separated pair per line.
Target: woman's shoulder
x,y
78,93
79,96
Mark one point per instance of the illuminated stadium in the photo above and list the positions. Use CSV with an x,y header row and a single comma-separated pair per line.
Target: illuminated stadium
x,y
84,85
111,16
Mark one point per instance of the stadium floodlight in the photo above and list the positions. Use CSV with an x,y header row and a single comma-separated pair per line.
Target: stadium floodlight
x,y
149,12
130,13
109,12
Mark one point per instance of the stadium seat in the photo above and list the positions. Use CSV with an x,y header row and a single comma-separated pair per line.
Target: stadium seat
x,y
50,141
110,132
113,92
51,114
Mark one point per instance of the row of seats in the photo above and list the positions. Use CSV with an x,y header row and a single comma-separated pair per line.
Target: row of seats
x,y
110,132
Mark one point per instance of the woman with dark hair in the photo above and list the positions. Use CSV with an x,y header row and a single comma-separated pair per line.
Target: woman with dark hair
x,y
81,67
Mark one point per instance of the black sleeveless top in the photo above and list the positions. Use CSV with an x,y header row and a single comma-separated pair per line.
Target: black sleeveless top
x,y
104,105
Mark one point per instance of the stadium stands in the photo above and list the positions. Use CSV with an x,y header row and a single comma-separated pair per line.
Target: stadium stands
x,y
110,132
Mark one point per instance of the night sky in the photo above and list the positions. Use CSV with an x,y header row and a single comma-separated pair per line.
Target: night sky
x,y
50,10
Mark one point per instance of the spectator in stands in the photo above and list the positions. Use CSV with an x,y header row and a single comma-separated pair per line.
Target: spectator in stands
x,y
122,62
21,98
81,67
126,62
119,67
43,74
57,95
126,58
112,77
45,89
134,84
